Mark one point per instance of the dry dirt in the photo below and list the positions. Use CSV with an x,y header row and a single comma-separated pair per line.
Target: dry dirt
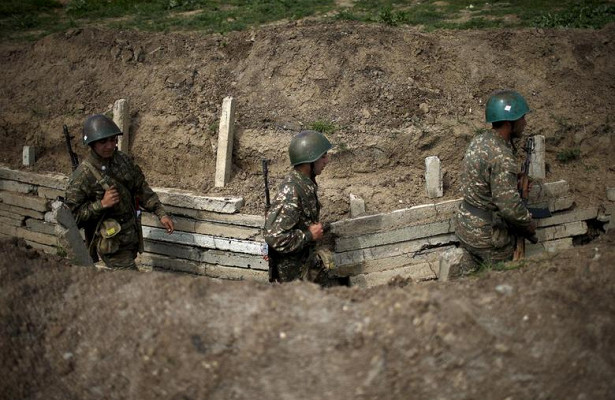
x,y
397,95
542,332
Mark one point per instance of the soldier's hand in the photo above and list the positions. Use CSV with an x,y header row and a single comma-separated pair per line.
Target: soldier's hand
x,y
111,197
316,231
168,224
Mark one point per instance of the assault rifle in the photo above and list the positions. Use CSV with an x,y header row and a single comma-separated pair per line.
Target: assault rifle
x,y
264,162
73,156
269,254
523,185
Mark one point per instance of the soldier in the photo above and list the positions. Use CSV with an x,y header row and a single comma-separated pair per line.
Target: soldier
x,y
492,212
292,227
105,193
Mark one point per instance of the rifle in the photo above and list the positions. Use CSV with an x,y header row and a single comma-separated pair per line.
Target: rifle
x,y
74,159
523,185
264,162
269,253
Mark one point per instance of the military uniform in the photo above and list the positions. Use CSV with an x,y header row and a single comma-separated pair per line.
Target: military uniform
x,y
293,210
491,208
84,195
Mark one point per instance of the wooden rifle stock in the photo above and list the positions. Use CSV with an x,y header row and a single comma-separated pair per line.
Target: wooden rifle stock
x,y
523,185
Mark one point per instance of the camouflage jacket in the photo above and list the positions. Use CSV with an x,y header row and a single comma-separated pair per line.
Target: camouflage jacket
x,y
293,210
489,182
84,193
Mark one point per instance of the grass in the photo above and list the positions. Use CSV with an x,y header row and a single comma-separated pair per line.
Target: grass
x,y
326,127
32,18
499,266
567,155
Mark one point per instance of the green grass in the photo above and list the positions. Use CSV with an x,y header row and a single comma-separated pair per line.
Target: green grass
x,y
499,266
568,155
32,18
326,127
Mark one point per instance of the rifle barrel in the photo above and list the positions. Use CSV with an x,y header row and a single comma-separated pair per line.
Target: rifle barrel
x,y
265,176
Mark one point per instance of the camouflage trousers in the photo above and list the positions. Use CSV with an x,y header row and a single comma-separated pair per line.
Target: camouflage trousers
x,y
307,268
124,257
474,257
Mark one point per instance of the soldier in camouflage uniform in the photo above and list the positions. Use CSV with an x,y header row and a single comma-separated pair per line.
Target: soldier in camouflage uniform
x,y
492,213
292,227
107,185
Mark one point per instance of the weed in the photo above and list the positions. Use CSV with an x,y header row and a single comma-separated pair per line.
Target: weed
x,y
326,127
341,147
499,266
590,168
389,17
583,15
568,155
60,251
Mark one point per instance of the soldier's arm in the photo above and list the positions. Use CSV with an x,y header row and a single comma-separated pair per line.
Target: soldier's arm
x,y
505,194
84,203
148,199
282,228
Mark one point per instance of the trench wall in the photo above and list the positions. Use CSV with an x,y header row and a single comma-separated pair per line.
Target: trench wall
x,y
215,239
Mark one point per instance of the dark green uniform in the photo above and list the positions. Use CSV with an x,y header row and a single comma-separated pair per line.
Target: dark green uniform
x,y
84,194
491,206
293,210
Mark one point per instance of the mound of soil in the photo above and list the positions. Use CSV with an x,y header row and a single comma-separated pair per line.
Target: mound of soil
x,y
396,96
545,331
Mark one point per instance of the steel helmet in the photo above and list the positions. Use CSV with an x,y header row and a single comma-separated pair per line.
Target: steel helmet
x,y
98,127
505,105
307,147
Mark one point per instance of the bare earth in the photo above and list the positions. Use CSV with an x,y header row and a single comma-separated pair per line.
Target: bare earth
x,y
397,95
542,332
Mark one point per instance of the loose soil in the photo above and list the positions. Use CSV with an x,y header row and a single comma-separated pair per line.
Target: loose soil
x,y
396,96
545,331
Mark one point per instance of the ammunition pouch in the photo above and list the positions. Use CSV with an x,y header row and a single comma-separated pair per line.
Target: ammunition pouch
x,y
108,242
325,257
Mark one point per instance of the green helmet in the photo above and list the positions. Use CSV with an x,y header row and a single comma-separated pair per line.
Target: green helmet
x,y
505,105
98,127
307,147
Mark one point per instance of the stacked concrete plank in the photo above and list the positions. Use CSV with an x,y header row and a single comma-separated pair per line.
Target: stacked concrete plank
x,y
409,242
26,207
213,238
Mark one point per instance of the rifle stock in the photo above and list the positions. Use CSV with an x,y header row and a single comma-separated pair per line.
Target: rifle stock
x,y
74,159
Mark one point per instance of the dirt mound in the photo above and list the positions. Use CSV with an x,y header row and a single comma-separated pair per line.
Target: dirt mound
x,y
396,95
544,331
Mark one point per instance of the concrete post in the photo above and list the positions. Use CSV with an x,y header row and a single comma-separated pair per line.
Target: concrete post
x,y
357,206
225,142
537,160
433,177
121,117
70,238
29,156
450,264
